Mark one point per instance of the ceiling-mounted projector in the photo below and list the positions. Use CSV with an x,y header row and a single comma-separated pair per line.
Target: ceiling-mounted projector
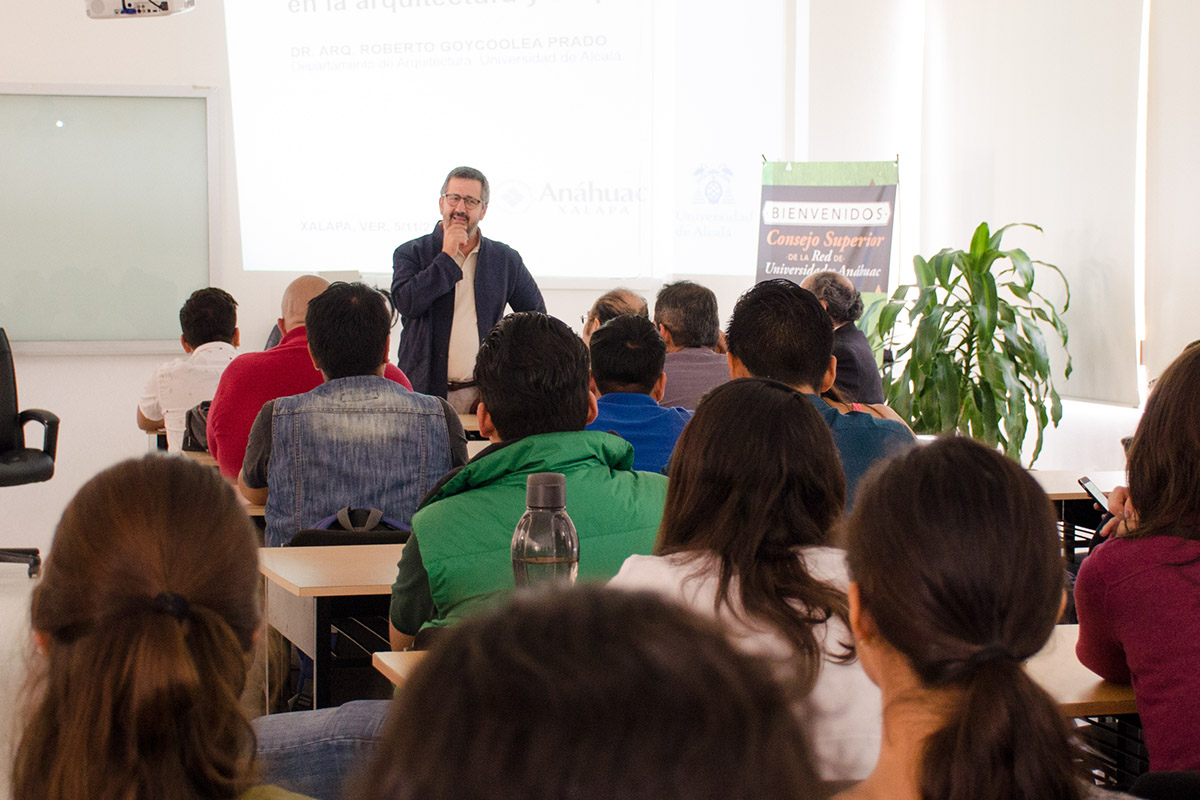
x,y
128,9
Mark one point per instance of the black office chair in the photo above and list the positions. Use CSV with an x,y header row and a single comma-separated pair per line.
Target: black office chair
x,y
20,464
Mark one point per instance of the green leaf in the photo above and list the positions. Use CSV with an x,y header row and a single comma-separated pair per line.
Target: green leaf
x,y
985,309
947,377
984,263
1018,289
929,335
942,265
989,416
1023,266
999,234
925,301
1066,286
1037,445
981,241
924,272
887,319
1037,344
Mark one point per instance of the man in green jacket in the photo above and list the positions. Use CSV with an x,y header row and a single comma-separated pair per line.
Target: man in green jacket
x,y
532,375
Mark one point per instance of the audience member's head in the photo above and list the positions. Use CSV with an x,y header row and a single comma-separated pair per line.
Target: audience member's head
x,y
1164,458
755,474
348,328
591,694
837,294
295,300
532,374
610,305
780,331
627,356
144,614
958,579
209,315
688,315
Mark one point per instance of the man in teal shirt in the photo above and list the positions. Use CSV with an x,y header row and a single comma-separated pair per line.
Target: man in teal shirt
x,y
780,331
532,375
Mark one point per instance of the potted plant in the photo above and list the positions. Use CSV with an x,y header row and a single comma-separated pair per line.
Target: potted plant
x,y
977,361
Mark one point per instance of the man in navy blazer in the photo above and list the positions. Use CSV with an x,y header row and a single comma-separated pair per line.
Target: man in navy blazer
x,y
451,287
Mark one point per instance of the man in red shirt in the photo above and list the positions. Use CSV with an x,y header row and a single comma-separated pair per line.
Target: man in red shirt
x,y
252,379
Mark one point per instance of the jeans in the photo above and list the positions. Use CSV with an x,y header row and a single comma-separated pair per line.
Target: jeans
x,y
313,752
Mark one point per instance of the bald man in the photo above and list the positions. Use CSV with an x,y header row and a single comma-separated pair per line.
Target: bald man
x,y
858,379
611,305
252,379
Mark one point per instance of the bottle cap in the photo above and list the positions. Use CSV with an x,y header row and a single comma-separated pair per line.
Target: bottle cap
x,y
546,490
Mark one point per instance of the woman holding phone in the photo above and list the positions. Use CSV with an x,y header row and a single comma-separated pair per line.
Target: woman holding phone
x,y
1137,594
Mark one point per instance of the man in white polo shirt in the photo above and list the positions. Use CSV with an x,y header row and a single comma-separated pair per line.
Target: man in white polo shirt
x,y
451,287
210,336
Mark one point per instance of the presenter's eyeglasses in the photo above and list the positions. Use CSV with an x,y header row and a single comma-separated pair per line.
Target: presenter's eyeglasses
x,y
471,203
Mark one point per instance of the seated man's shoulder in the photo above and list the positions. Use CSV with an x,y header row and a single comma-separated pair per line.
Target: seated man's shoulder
x,y
861,426
244,364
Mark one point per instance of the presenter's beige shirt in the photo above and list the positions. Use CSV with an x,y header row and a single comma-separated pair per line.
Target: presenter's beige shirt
x,y
464,328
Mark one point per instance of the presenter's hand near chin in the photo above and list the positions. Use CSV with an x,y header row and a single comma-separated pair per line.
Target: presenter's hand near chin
x,y
454,236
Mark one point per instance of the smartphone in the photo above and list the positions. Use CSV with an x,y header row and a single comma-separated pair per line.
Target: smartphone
x,y
1091,488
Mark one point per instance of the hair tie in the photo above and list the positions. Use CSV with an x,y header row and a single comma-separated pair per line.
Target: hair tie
x,y
990,653
176,605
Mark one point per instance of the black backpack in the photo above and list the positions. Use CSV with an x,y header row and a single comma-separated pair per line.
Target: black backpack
x,y
353,526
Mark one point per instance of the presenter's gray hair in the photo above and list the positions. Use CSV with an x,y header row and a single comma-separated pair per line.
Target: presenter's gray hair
x,y
470,174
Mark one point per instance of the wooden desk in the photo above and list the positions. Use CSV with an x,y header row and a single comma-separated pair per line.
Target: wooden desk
x,y
1063,484
202,458
308,586
1078,691
397,666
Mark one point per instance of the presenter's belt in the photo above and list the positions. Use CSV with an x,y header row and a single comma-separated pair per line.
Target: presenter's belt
x,y
454,386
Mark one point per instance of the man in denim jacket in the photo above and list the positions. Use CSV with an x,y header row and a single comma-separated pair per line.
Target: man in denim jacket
x,y
356,440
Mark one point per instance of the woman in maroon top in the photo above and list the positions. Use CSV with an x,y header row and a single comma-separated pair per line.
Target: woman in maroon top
x,y
1138,595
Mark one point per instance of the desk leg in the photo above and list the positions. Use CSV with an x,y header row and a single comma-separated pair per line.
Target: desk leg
x,y
1069,541
322,655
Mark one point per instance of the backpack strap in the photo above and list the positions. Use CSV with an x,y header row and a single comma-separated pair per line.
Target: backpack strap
x,y
374,515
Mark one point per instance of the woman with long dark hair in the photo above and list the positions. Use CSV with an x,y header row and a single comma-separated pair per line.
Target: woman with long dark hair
x,y
146,610
957,579
755,489
1138,594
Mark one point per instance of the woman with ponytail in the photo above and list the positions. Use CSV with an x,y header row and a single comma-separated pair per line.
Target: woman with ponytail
x,y
144,616
755,489
957,579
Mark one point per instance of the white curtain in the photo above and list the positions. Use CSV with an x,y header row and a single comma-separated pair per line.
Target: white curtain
x,y
1030,115
1172,178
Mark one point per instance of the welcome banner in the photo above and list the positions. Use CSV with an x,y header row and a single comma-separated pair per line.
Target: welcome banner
x,y
828,216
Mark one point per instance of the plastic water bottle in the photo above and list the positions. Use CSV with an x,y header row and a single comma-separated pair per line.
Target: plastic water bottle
x,y
545,546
